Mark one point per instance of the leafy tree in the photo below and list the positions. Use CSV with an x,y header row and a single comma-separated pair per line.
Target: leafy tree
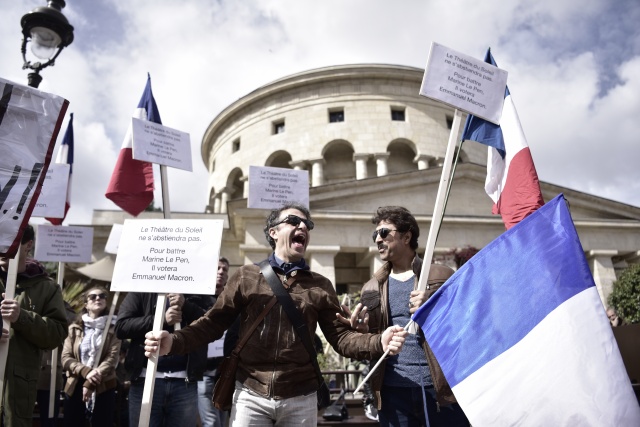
x,y
625,297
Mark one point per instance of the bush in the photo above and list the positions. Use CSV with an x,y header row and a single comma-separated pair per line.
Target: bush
x,y
625,297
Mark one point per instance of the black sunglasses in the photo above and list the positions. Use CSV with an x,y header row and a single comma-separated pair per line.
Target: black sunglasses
x,y
383,232
93,297
295,221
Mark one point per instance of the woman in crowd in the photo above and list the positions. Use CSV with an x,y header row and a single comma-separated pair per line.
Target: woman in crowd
x,y
90,392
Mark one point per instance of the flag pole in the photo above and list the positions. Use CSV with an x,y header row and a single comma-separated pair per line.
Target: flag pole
x,y
436,221
158,321
54,355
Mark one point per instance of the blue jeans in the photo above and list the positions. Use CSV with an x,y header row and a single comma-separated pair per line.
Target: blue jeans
x,y
404,407
175,402
209,415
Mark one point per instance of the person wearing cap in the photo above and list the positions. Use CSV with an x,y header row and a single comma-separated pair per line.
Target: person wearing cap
x,y
390,297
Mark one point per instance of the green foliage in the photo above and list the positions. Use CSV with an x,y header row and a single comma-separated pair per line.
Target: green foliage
x,y
72,294
625,297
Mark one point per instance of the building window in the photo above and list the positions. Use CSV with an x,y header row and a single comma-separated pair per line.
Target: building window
x,y
397,114
235,146
336,116
449,122
278,127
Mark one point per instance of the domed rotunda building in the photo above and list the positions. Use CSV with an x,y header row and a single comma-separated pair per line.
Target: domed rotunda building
x,y
368,139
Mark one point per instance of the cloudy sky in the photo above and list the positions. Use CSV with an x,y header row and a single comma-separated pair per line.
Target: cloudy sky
x,y
574,73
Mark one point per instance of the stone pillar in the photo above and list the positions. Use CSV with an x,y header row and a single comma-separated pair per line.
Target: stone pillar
x,y
321,259
245,186
361,165
381,163
224,198
603,272
317,172
216,204
423,161
298,165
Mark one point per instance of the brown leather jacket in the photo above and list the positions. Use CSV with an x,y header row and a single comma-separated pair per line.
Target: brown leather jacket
x,y
375,297
274,362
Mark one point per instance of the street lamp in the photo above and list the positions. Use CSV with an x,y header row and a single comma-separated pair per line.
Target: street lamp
x,y
49,32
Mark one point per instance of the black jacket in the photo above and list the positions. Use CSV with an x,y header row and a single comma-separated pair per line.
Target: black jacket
x,y
135,319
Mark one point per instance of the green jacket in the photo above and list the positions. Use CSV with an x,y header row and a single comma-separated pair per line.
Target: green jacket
x,y
42,325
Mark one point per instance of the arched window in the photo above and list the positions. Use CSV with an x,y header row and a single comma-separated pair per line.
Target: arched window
x,y
235,184
401,155
279,159
339,165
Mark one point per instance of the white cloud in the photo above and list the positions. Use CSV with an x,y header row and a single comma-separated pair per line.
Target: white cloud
x,y
203,55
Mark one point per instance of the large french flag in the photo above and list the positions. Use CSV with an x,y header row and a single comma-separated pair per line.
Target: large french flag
x,y
131,185
65,156
522,336
512,181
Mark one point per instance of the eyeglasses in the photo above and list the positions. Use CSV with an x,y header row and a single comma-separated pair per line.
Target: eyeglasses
x,y
93,297
295,221
384,232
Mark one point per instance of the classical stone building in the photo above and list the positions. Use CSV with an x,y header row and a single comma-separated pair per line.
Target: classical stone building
x,y
368,139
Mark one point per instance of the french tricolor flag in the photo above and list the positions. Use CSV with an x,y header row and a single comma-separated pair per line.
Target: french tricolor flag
x,y
522,336
512,181
131,185
65,156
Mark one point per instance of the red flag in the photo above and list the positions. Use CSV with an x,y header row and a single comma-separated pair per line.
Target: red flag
x,y
131,185
65,156
512,181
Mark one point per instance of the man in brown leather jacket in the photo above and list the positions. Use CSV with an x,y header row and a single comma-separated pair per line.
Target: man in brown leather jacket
x,y
391,297
276,381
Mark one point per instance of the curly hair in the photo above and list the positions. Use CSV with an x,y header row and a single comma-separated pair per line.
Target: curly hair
x,y
402,219
273,217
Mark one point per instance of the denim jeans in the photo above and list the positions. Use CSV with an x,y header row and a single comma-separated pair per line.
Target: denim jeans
x,y
175,402
250,409
404,407
210,416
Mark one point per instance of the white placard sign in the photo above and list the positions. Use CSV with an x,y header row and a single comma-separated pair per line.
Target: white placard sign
x,y
155,143
464,82
114,239
64,244
53,197
270,188
216,348
168,255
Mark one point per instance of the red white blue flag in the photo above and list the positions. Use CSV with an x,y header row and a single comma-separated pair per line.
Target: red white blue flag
x,y
65,156
521,334
131,185
512,181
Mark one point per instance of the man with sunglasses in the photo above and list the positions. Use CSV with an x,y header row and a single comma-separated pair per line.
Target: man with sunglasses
x,y
38,322
405,384
276,381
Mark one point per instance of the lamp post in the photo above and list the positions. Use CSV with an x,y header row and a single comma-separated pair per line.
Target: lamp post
x,y
49,32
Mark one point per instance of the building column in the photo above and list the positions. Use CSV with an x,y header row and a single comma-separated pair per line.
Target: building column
x,y
604,274
245,186
317,172
322,260
216,203
375,263
423,161
224,198
298,165
361,165
381,163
